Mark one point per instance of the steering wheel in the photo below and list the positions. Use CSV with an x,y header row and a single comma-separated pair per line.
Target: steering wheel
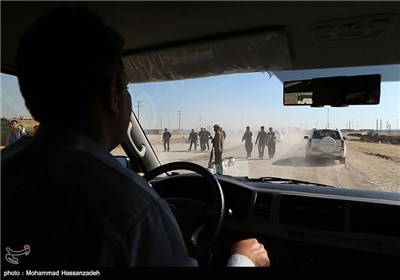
x,y
200,222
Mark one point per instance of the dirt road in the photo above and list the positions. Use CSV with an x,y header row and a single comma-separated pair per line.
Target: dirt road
x,y
370,166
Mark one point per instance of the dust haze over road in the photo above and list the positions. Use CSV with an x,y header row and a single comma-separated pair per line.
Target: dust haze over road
x,y
363,170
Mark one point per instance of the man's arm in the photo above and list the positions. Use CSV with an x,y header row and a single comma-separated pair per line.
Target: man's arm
x,y
249,252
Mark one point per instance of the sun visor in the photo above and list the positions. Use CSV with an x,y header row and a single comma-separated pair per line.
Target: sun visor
x,y
253,52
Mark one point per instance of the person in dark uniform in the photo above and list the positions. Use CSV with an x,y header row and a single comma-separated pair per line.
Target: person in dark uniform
x,y
207,135
271,142
193,138
248,144
166,137
202,139
218,147
262,141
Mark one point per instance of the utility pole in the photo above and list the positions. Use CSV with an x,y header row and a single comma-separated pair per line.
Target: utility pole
x,y
179,118
328,119
200,121
138,108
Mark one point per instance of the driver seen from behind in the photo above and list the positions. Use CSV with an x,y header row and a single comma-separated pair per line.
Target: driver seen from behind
x,y
74,204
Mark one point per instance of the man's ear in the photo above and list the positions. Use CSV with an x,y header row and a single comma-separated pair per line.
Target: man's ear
x,y
114,97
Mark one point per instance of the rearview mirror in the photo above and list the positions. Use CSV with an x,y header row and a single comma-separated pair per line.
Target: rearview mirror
x,y
334,91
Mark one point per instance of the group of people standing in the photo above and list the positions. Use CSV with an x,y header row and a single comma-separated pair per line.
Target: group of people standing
x,y
263,139
204,137
217,143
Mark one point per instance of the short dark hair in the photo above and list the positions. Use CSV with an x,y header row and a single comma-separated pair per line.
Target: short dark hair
x,y
66,59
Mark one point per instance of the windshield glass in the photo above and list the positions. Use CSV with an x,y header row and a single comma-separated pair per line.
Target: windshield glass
x,y
255,99
366,153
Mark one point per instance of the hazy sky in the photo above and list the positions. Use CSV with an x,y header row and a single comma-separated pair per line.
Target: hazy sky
x,y
234,101
255,99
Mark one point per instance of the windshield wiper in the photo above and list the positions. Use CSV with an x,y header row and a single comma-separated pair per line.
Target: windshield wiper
x,y
281,180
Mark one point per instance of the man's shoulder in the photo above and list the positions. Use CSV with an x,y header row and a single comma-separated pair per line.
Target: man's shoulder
x,y
77,170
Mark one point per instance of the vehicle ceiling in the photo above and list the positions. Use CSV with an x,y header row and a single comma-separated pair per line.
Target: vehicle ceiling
x,y
157,25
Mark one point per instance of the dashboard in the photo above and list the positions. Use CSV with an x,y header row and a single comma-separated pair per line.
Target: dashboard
x,y
302,226
313,226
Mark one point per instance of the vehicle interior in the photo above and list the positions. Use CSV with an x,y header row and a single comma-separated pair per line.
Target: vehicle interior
x,y
306,223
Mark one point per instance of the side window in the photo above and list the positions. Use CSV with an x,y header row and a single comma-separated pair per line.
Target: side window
x,y
118,151
13,109
336,135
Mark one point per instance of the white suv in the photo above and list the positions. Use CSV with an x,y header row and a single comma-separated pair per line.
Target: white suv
x,y
326,143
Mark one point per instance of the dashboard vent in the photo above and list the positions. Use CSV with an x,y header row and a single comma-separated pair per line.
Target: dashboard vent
x,y
262,206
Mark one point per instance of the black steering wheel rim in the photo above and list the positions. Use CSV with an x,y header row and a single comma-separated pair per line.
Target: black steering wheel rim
x,y
215,224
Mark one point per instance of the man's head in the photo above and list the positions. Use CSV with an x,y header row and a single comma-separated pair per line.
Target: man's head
x,y
14,124
247,127
270,129
65,61
262,127
216,127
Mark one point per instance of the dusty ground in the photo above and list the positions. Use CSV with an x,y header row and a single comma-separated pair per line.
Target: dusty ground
x,y
386,151
371,166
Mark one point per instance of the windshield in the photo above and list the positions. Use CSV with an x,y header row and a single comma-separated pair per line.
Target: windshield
x,y
253,100
366,153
